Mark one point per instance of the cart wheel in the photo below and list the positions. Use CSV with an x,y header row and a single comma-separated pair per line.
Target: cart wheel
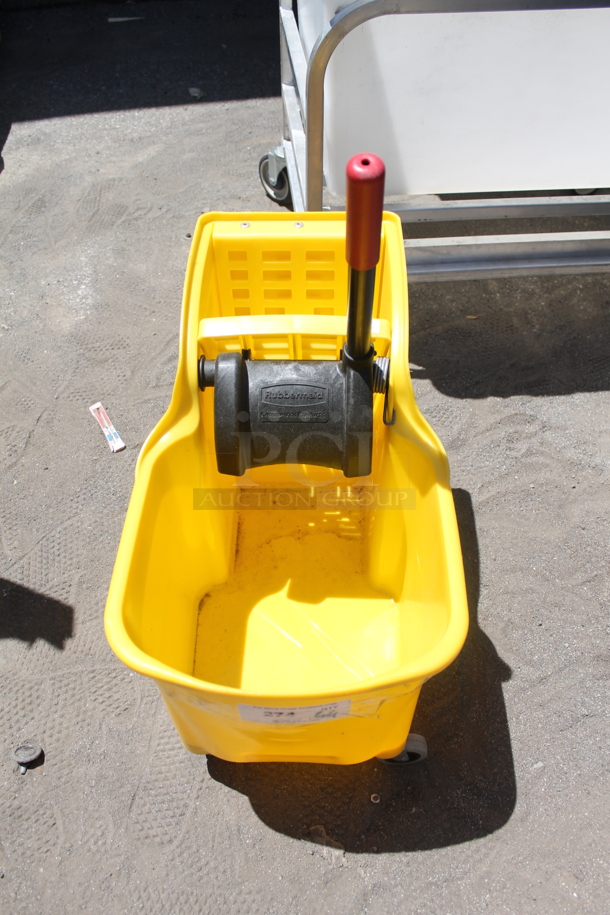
x,y
281,192
416,750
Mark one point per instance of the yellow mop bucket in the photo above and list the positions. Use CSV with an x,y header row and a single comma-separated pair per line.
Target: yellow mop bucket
x,y
291,613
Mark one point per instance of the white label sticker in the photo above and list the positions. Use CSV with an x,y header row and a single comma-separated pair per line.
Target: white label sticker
x,y
303,714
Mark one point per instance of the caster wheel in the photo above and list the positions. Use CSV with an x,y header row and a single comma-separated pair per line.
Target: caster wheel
x,y
281,192
416,750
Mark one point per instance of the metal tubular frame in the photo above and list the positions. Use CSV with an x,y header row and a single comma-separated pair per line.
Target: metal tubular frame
x,y
437,258
469,257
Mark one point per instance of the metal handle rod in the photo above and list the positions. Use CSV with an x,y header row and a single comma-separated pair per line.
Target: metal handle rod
x,y
365,179
361,11
361,292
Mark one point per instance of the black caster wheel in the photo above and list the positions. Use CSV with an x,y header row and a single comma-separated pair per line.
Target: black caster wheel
x,y
281,191
415,751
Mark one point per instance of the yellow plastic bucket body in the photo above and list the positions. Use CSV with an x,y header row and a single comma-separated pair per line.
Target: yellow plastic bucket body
x,y
291,614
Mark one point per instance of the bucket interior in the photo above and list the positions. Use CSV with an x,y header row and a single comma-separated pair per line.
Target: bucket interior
x,y
289,601
299,610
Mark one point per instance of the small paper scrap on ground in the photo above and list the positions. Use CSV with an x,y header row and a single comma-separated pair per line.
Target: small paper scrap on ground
x,y
196,92
113,438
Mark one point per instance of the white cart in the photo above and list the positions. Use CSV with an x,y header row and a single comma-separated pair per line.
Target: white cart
x,y
481,111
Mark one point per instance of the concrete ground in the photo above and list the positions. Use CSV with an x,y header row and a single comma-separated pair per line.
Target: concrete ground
x,y
108,161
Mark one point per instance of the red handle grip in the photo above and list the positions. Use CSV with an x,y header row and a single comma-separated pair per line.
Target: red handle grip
x,y
365,175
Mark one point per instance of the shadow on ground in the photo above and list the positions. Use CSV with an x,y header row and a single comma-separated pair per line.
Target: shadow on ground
x,y
540,336
70,60
28,616
464,791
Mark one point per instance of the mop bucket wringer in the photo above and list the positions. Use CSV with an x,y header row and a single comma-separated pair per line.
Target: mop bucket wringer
x,y
290,571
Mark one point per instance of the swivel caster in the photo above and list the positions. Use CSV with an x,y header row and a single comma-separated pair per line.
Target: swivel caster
x,y
274,178
416,750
